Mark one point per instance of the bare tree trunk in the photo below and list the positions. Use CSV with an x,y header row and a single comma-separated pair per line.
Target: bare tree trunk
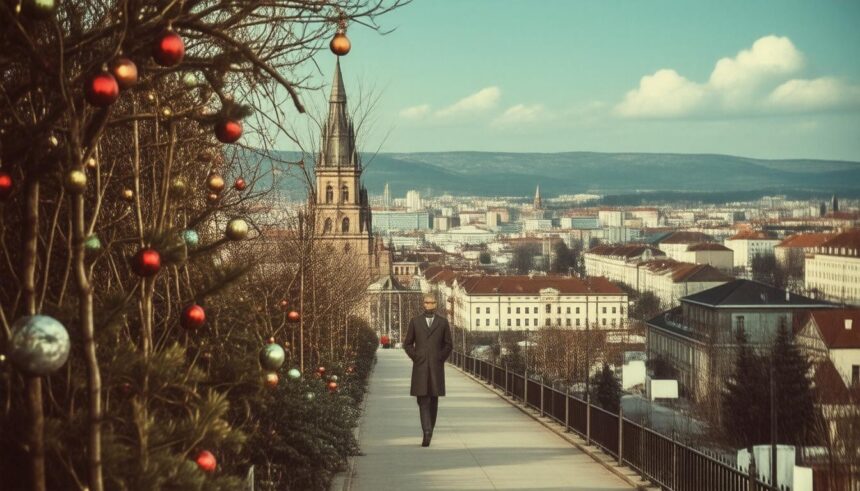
x,y
85,313
34,383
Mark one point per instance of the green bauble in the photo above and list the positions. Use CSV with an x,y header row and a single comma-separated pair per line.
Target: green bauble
x,y
190,237
40,8
272,356
294,374
190,80
310,396
93,243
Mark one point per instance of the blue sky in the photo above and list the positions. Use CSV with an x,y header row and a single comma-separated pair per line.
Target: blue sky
x,y
767,79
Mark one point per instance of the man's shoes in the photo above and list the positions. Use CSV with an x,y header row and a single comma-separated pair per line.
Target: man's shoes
x,y
426,441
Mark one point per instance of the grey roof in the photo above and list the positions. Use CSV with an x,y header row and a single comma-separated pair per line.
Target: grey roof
x,y
751,293
671,321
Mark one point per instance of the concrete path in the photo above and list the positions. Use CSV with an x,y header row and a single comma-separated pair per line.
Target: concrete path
x,y
480,441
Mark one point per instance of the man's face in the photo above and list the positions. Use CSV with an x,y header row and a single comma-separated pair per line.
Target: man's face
x,y
429,305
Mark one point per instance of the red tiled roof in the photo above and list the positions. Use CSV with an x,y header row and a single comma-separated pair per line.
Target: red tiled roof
x,y
830,386
525,285
831,325
629,250
686,272
805,240
705,246
751,235
849,238
683,237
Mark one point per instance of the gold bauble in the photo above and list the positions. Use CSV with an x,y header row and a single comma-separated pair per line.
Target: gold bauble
x,y
76,181
127,194
91,163
178,185
237,229
166,112
340,44
215,183
213,197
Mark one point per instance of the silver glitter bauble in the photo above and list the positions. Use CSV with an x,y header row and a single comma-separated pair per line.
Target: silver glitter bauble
x,y
39,345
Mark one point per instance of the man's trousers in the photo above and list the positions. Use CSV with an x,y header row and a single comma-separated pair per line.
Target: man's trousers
x,y
428,407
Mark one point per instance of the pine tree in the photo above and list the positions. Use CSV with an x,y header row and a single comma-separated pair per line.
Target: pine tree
x,y
606,389
745,406
795,402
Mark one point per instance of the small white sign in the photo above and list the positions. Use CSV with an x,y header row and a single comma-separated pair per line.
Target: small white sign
x,y
662,389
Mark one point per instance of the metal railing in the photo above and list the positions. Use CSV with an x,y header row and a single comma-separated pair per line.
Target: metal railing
x,y
660,459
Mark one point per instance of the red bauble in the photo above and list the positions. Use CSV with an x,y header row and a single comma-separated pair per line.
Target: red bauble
x,y
228,130
146,262
239,185
193,317
206,461
169,49
332,386
125,72
102,90
321,370
272,379
5,184
271,340
293,316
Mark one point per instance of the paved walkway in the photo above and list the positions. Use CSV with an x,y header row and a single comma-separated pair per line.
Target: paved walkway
x,y
480,441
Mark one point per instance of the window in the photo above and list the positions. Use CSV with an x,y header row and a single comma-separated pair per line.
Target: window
x,y
613,310
568,310
329,194
547,322
548,308
477,322
567,322
344,194
740,322
509,310
855,375
622,310
558,310
536,322
577,310
518,310
603,321
558,321
509,323
518,323
527,323
477,310
327,226
487,323
488,310
345,225
577,322
604,310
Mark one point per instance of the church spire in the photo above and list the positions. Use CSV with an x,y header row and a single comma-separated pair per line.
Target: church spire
x,y
338,137
538,204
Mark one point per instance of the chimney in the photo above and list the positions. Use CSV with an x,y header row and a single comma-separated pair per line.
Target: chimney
x,y
849,323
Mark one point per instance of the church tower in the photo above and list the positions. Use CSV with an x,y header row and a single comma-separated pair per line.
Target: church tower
x,y
538,203
343,210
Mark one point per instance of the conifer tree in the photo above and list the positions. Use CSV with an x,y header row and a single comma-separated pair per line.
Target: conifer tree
x,y
607,389
745,406
795,400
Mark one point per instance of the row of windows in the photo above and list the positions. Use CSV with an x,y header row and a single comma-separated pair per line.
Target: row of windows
x,y
344,194
548,322
344,225
549,310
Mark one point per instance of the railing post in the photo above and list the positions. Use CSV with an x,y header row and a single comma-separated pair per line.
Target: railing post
x,y
588,419
753,473
542,386
506,379
567,409
674,461
526,387
621,435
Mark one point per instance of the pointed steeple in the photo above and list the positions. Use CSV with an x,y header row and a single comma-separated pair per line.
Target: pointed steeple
x,y
538,204
386,197
338,137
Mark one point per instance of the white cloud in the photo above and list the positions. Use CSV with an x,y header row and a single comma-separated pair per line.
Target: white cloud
x,y
520,114
812,95
415,112
664,94
482,100
756,80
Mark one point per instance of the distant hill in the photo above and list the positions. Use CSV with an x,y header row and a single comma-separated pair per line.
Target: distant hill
x,y
517,174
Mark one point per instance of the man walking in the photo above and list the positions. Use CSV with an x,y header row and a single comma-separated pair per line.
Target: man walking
x,y
428,343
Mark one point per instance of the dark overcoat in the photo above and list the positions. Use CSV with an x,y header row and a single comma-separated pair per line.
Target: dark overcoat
x,y
428,347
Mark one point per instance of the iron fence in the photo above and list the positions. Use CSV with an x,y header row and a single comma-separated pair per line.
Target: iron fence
x,y
662,460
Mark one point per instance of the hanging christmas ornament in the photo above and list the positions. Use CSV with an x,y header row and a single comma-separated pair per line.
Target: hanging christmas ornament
x,y
166,113
93,243
349,369
75,181
321,370
294,373
272,379
127,194
190,238
213,198
239,185
91,163
340,44
272,356
146,262
293,316
215,183
206,461
310,396
271,340
39,344
284,303
150,97
190,80
237,229
332,386
53,141
169,49
178,185
5,185
125,72
39,8
193,317
102,90
228,130
333,378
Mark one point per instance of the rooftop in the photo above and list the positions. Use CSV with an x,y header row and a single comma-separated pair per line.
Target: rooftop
x,y
705,246
805,240
751,293
526,285
683,237
831,326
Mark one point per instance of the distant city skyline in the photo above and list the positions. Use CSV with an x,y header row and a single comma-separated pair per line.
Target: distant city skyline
x,y
765,79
